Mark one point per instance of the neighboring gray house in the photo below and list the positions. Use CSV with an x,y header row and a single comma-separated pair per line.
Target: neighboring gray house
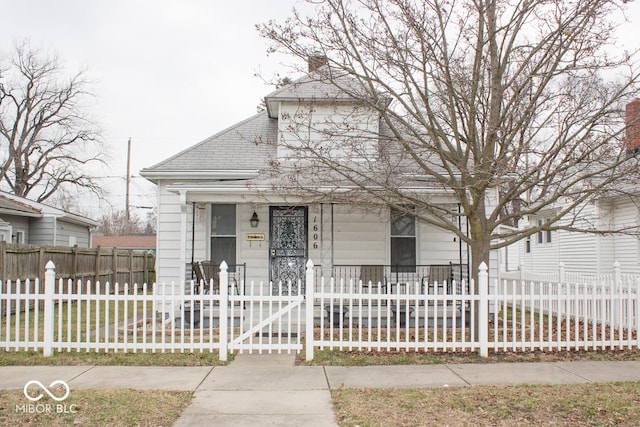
x,y
29,222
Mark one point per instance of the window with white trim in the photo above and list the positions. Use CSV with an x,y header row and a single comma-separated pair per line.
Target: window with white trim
x,y
223,233
403,242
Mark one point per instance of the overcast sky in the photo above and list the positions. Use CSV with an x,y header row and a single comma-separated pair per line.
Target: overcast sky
x,y
167,73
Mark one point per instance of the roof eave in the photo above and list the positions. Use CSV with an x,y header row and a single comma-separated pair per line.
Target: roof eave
x,y
17,212
156,175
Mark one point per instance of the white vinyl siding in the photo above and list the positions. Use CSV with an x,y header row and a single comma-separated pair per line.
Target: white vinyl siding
x,y
339,131
578,251
627,247
255,253
359,236
168,256
590,253
437,246
41,232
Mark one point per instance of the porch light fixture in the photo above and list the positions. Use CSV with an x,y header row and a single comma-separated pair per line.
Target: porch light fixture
x,y
254,221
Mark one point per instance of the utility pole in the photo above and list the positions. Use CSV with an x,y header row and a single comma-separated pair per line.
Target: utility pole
x,y
128,180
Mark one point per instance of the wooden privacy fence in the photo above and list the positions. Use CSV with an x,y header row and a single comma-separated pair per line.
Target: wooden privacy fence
x,y
21,262
515,316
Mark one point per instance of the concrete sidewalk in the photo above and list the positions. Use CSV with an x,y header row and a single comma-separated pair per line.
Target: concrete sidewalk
x,y
270,390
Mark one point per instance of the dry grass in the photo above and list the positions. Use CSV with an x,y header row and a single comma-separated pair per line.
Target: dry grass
x,y
31,358
561,405
328,357
540,405
97,408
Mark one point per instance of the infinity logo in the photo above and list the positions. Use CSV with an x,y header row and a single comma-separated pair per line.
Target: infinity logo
x,y
46,390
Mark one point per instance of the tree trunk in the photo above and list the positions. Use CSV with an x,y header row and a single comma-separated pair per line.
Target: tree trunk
x,y
480,246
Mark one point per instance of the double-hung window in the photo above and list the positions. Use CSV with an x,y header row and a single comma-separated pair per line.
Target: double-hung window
x,y
546,235
403,242
223,234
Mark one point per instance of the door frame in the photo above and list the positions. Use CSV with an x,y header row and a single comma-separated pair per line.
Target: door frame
x,y
272,208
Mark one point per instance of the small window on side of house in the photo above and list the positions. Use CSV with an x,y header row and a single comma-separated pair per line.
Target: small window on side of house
x,y
540,233
527,245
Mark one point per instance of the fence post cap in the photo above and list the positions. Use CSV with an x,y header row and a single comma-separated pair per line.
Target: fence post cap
x,y
616,264
310,264
561,264
483,266
224,266
50,265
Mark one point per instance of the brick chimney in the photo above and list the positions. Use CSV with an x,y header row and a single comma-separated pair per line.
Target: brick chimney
x,y
632,122
316,61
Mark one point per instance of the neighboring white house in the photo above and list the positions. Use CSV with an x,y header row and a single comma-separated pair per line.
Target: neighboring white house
x,y
29,222
586,253
217,202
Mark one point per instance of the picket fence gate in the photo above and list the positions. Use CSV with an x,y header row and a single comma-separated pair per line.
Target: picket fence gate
x,y
342,315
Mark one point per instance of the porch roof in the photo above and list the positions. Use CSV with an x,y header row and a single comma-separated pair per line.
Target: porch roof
x,y
261,190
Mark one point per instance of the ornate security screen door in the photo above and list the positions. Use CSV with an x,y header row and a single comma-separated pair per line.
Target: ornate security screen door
x,y
288,246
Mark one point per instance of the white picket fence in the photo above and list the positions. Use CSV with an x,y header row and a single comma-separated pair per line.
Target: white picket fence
x,y
518,316
561,275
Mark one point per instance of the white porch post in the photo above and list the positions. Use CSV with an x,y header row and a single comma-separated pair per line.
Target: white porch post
x,y
183,235
310,283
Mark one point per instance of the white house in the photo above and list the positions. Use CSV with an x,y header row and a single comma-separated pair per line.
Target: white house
x,y
219,200
588,253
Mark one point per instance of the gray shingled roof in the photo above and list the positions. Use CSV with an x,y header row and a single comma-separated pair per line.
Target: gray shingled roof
x,y
16,205
322,84
11,206
248,145
251,144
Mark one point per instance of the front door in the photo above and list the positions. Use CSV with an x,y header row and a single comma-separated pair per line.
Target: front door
x,y
288,247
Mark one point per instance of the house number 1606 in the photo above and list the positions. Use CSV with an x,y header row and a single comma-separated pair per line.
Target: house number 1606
x,y
315,232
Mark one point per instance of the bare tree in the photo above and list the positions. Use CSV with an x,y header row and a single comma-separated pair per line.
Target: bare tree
x,y
115,223
47,142
507,108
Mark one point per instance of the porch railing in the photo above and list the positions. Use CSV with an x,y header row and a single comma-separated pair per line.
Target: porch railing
x,y
206,276
392,276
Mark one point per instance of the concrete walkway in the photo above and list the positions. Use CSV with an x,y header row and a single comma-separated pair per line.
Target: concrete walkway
x,y
270,390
